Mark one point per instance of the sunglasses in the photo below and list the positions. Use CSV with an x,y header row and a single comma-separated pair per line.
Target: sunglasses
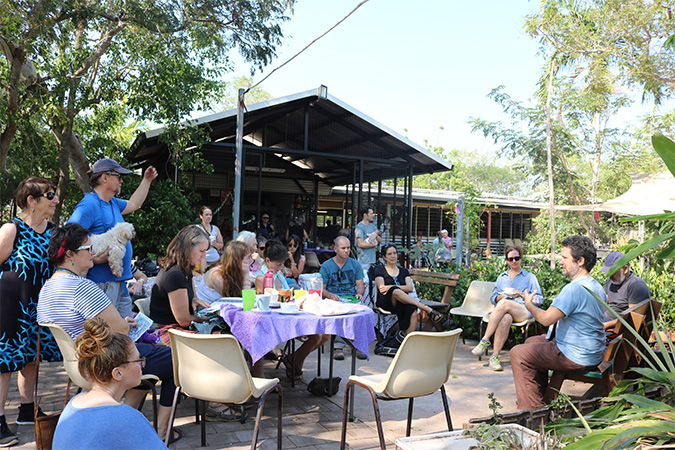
x,y
266,218
84,247
50,195
292,244
261,248
515,258
139,361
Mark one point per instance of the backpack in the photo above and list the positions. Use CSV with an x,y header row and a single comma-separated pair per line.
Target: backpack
x,y
390,345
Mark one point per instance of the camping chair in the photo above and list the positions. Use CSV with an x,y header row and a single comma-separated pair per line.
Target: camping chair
x,y
476,302
421,367
67,346
212,367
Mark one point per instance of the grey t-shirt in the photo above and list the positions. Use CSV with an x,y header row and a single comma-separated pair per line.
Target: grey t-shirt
x,y
366,255
620,296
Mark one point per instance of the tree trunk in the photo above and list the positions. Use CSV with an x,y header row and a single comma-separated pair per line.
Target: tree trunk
x,y
549,165
71,155
17,58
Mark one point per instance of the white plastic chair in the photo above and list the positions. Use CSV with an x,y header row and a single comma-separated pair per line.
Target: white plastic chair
x,y
67,346
421,367
143,305
476,302
312,262
212,367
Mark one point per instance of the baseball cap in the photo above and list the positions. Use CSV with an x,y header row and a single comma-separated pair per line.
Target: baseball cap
x,y
610,260
107,165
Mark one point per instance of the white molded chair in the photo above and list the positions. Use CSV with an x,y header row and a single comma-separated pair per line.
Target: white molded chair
x,y
143,305
476,302
525,324
312,262
421,367
212,367
67,346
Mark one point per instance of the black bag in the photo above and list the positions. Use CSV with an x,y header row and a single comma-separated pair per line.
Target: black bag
x,y
148,267
390,345
319,386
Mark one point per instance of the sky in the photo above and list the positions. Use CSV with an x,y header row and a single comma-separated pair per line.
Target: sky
x,y
415,67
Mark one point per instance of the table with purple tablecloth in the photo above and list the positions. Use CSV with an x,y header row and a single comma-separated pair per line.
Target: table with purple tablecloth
x,y
260,332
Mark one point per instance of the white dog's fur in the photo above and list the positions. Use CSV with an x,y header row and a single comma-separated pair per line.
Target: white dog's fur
x,y
116,239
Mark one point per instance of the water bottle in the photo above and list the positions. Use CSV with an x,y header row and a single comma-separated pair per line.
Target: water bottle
x,y
268,282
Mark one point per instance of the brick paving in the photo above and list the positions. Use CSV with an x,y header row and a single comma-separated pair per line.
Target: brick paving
x,y
314,423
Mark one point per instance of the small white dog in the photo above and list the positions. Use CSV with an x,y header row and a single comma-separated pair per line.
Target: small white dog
x,y
116,239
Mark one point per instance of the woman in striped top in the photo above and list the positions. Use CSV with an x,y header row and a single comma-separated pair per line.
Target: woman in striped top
x,y
68,299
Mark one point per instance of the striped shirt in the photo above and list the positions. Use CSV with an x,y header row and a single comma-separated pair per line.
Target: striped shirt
x,y
68,301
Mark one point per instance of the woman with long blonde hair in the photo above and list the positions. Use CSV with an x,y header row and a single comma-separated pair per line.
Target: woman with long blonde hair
x,y
230,276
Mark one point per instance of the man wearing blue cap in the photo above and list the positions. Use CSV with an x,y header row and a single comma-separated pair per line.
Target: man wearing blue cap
x,y
99,211
623,288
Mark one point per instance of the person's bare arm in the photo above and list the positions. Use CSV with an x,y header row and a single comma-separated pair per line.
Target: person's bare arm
x,y
361,243
408,286
360,289
218,243
112,317
141,192
7,235
545,317
180,307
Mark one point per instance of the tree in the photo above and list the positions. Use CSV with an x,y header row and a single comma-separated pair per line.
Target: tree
x,y
161,60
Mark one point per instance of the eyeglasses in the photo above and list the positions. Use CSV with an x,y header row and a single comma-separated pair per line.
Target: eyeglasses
x,y
50,195
84,247
112,174
515,258
340,275
139,361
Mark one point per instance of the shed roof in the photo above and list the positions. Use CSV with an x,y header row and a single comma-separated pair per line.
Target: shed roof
x,y
323,136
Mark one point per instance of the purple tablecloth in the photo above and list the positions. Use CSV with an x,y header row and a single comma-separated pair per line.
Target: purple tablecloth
x,y
259,333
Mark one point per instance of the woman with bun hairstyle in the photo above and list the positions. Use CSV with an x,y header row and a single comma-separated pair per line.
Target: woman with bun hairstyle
x,y
230,276
68,299
97,419
23,271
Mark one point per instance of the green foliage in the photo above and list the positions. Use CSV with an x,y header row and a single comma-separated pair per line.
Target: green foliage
x,y
167,209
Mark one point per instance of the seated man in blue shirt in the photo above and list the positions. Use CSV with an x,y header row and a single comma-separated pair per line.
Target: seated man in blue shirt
x,y
579,342
342,276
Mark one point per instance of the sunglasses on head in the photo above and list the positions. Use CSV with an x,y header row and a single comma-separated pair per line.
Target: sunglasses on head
x,y
50,195
515,258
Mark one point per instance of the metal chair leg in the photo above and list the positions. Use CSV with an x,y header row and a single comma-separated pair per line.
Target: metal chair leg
x,y
172,415
410,410
444,397
203,427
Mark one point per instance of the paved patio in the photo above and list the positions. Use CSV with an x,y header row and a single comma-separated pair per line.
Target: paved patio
x,y
312,422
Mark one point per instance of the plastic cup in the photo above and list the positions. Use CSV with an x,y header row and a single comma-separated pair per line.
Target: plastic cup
x,y
262,302
314,291
299,293
248,296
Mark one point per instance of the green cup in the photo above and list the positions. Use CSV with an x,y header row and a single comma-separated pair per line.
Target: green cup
x,y
249,298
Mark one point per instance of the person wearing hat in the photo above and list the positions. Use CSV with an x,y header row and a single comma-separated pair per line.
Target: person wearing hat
x,y
623,288
99,211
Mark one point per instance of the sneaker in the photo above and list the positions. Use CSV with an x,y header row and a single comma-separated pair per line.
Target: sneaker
x,y
338,354
26,414
495,364
479,350
7,438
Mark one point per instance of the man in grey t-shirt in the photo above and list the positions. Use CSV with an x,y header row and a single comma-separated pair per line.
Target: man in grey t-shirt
x,y
623,288
368,238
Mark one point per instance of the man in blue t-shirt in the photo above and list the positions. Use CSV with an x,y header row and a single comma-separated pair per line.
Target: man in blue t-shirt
x,y
579,342
368,238
100,211
342,276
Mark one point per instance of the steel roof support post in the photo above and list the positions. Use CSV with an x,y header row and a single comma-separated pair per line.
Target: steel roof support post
x,y
354,202
380,219
258,213
393,213
238,165
460,230
360,203
346,209
410,208
315,210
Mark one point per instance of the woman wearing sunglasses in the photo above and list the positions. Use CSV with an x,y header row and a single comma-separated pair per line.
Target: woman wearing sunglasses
x,y
295,264
68,299
97,418
23,271
507,295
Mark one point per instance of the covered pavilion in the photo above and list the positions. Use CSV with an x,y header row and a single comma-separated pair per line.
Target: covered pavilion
x,y
296,149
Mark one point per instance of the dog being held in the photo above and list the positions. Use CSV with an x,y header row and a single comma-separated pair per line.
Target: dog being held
x,y
116,240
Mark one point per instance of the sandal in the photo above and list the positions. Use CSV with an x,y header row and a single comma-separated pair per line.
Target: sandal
x,y
225,415
176,434
435,315
288,366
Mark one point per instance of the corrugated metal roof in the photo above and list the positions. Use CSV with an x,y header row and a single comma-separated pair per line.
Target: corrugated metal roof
x,y
339,136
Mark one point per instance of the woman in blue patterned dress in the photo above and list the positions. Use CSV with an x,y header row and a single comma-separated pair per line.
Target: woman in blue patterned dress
x,y
23,271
